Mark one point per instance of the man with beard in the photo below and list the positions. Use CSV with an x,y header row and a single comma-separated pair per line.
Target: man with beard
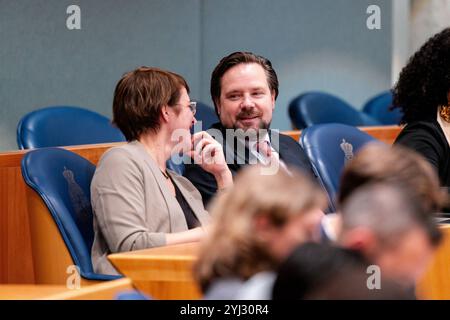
x,y
244,87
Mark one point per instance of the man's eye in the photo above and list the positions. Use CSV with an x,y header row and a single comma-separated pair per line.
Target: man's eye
x,y
233,97
258,94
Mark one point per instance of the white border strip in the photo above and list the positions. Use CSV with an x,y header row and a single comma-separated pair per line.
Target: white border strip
x,y
400,36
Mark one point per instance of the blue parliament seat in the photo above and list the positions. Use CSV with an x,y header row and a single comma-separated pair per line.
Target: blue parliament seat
x,y
379,107
206,115
329,147
132,295
65,126
315,107
61,219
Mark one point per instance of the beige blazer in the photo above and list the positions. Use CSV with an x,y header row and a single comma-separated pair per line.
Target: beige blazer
x,y
133,206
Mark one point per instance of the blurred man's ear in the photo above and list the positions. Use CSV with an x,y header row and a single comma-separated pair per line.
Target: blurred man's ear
x,y
263,227
361,239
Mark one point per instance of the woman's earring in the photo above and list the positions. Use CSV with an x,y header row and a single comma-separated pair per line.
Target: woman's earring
x,y
444,112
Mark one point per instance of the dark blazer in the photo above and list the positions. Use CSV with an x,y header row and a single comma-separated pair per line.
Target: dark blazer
x,y
428,139
290,151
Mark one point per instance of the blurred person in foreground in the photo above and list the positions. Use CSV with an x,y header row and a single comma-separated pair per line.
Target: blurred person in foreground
x,y
257,223
388,225
327,272
386,243
377,162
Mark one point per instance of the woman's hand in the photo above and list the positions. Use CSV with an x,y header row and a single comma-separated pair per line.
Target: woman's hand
x,y
208,154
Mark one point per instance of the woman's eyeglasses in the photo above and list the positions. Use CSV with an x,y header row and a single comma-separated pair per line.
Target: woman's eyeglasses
x,y
193,107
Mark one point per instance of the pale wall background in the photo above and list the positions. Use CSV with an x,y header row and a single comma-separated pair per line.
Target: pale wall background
x,y
313,45
427,18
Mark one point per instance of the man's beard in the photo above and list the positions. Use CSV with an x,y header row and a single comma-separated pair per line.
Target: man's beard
x,y
261,125
250,114
250,133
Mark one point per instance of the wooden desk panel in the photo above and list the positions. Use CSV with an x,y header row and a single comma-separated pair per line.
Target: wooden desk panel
x,y
436,282
387,134
103,291
107,290
28,292
163,273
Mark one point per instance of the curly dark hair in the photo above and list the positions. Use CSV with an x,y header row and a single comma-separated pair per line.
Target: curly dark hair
x,y
424,82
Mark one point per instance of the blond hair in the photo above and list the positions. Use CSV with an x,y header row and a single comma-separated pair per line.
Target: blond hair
x,y
232,247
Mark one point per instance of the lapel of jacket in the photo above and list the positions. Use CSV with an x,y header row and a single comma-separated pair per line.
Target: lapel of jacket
x,y
173,209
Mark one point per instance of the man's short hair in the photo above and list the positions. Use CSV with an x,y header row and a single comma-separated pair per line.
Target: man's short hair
x,y
235,59
389,209
139,97
377,162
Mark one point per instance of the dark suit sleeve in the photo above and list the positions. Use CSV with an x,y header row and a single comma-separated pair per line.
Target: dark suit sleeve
x,y
202,180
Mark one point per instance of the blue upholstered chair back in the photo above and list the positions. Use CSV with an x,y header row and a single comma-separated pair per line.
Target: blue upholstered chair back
x,y
175,164
62,179
379,108
132,295
318,107
207,115
65,126
329,147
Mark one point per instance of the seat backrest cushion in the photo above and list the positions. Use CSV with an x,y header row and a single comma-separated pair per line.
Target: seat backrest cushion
x,y
379,108
206,115
64,126
62,179
317,107
329,147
